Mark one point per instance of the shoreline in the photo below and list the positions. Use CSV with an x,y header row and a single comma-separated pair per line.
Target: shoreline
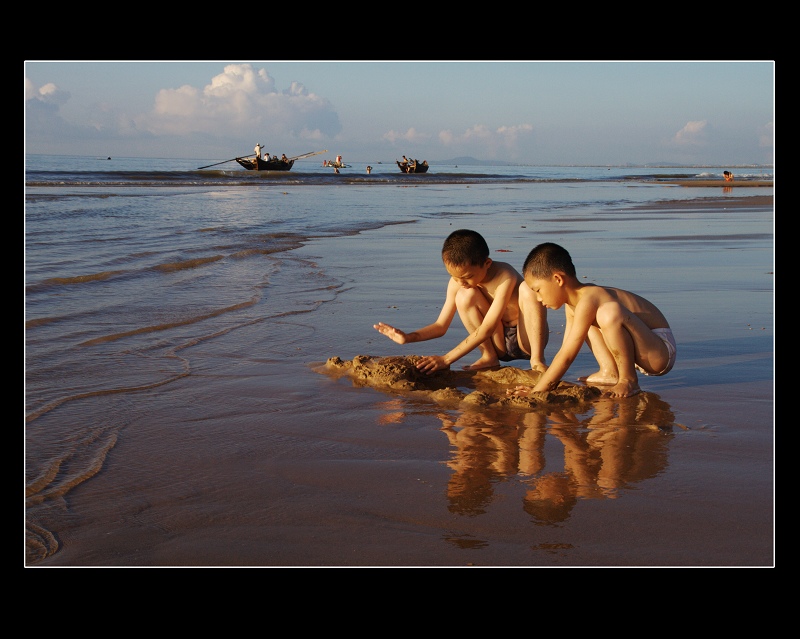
x,y
717,183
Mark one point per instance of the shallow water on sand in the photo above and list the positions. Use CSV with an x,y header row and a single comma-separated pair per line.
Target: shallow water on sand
x,y
174,415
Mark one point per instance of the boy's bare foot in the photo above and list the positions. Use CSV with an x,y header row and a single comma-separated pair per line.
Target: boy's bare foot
x,y
482,362
625,388
538,366
605,379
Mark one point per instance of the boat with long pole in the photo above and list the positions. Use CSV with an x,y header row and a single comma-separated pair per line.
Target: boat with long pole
x,y
273,164
253,163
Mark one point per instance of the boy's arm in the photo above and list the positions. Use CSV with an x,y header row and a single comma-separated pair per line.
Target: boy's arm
x,y
502,297
533,330
431,331
576,329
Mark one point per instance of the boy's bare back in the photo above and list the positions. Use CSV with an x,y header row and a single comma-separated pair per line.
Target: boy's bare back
x,y
644,309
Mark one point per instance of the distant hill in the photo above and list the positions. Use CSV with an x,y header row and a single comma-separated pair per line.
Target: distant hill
x,y
466,160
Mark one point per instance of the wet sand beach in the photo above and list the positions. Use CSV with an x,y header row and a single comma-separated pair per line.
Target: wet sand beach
x,y
273,453
752,183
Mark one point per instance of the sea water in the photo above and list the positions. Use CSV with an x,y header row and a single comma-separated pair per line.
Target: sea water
x,y
125,258
130,262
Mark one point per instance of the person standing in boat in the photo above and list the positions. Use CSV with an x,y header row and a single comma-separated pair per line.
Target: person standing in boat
x,y
258,151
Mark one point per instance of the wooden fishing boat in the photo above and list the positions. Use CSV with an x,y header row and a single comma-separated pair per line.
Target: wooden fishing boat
x,y
413,167
252,163
258,164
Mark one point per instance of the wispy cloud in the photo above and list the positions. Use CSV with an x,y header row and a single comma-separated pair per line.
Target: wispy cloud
x,y
692,134
503,139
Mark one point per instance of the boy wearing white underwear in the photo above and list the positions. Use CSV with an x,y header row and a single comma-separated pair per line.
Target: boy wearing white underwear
x,y
625,332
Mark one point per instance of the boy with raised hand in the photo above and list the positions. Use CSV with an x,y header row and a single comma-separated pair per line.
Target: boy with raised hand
x,y
504,320
625,332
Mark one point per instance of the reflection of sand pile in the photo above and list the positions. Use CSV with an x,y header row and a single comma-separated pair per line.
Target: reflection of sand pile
x,y
484,387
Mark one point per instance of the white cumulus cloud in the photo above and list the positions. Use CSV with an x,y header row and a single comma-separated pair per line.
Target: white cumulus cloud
x,y
241,100
692,134
232,108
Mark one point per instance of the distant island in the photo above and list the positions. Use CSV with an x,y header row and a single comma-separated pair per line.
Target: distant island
x,y
468,160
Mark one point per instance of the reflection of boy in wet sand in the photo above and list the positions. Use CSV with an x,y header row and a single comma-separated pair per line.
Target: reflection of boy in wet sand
x,y
503,318
485,452
625,444
624,331
617,443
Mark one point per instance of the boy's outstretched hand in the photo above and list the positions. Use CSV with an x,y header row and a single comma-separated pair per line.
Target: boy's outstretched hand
x,y
394,334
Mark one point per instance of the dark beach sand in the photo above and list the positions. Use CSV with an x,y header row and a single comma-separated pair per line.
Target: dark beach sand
x,y
290,460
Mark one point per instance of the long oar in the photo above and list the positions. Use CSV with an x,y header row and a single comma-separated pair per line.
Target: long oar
x,y
231,160
307,155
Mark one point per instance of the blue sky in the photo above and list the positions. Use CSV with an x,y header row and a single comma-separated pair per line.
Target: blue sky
x,y
717,113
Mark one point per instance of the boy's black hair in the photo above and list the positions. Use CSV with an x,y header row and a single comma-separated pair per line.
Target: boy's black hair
x,y
547,258
465,247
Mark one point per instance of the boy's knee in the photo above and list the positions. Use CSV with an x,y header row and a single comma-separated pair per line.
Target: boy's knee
x,y
609,315
467,297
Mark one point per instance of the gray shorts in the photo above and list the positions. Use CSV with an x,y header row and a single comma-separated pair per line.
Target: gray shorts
x,y
513,350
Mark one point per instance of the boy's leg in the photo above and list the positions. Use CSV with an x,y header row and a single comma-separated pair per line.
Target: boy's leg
x,y
607,373
533,332
619,341
632,342
472,307
650,352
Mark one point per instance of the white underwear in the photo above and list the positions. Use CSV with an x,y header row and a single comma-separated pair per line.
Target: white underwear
x,y
669,339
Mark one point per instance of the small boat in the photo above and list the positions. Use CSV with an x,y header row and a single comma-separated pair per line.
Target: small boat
x,y
413,166
338,163
253,163
273,164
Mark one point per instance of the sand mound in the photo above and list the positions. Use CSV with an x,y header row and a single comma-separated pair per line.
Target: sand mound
x,y
487,387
